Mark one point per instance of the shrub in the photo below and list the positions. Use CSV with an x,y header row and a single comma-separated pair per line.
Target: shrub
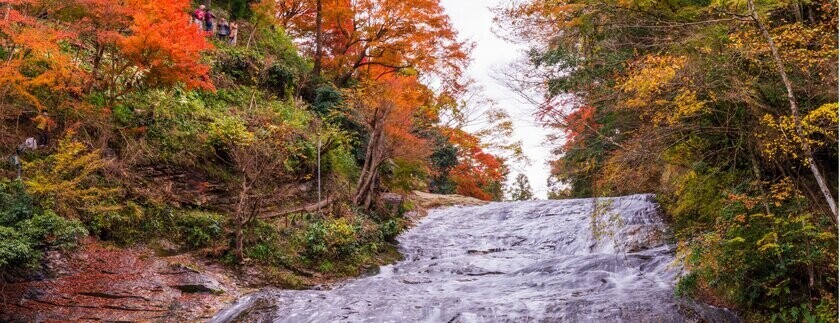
x,y
124,226
26,230
327,98
239,63
228,131
330,239
199,229
278,78
66,181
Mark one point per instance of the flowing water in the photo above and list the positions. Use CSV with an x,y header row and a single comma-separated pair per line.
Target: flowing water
x,y
584,260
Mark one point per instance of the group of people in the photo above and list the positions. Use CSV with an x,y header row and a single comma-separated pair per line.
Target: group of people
x,y
206,20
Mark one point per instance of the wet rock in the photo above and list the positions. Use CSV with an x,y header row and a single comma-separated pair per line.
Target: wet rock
x,y
535,261
166,248
106,283
197,283
391,198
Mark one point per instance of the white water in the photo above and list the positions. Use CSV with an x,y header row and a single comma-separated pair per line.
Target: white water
x,y
518,261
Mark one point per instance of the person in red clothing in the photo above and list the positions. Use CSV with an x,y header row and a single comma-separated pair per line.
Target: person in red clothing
x,y
209,19
198,16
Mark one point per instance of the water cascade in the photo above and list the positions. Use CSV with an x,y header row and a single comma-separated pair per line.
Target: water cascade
x,y
582,260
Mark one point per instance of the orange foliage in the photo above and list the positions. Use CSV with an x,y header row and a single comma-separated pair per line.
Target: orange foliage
x,y
35,60
396,34
478,173
392,101
164,45
577,124
56,52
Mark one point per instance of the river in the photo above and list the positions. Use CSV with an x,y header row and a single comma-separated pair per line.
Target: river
x,y
580,260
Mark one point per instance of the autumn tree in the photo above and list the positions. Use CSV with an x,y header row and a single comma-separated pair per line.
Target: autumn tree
x,y
36,73
386,33
713,106
106,48
479,173
161,49
387,107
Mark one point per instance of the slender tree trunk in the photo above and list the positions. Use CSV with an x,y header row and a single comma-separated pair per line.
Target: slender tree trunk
x,y
251,36
373,158
240,219
318,38
794,110
757,174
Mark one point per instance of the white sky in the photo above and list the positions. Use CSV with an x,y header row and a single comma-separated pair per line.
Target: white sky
x,y
474,21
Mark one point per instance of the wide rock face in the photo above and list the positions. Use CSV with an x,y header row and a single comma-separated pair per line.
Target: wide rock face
x,y
584,260
103,283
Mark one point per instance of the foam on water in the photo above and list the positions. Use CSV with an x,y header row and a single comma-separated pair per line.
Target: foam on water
x,y
582,260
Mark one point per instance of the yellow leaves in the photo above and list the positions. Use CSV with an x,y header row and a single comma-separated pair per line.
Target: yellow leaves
x,y
783,191
737,240
781,140
768,242
660,89
748,201
67,179
822,120
229,131
686,104
652,75
805,47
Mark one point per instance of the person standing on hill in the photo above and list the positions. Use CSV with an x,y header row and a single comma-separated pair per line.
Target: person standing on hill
x,y
223,30
234,32
208,20
198,16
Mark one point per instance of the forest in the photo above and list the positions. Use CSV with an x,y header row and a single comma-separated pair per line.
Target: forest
x,y
293,147
727,110
127,122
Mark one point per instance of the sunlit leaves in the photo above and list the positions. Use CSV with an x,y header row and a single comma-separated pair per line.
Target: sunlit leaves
x,y
781,140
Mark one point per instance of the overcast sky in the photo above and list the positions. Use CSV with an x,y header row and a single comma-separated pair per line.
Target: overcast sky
x,y
474,21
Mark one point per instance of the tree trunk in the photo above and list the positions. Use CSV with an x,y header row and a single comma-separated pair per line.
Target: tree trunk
x,y
794,110
318,38
240,219
373,158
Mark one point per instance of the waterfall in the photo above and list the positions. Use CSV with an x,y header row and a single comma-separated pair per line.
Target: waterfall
x,y
581,260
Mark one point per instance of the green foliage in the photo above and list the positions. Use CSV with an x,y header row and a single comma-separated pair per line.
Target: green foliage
x,y
443,159
278,78
762,260
127,225
26,230
686,100
240,64
238,9
342,163
327,98
330,239
521,189
228,131
199,229
405,176
687,285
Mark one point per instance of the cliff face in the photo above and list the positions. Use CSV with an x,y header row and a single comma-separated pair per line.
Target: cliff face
x,y
101,282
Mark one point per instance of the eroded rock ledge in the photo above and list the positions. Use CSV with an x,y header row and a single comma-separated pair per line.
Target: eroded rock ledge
x,y
106,283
